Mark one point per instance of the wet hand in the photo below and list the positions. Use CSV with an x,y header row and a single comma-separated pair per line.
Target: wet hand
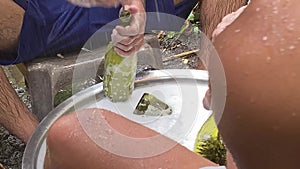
x,y
128,40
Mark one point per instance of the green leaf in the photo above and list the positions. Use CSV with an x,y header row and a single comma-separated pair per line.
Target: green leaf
x,y
171,35
191,17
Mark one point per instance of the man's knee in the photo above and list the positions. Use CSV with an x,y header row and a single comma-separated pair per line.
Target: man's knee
x,y
61,131
11,18
68,128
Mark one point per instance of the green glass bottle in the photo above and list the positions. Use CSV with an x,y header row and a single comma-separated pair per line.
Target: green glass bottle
x,y
119,72
209,143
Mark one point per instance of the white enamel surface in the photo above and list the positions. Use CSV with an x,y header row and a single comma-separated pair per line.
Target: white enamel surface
x,y
172,94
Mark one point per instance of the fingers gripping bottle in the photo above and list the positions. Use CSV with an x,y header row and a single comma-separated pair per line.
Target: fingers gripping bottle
x,y
119,72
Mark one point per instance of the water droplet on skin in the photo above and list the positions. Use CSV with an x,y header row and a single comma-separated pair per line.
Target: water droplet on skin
x,y
237,30
292,47
275,10
90,119
257,9
264,38
285,18
290,27
109,131
141,163
102,137
274,3
268,59
274,26
71,134
281,49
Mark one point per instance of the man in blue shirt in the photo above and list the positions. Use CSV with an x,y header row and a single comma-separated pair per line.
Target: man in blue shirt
x,y
49,27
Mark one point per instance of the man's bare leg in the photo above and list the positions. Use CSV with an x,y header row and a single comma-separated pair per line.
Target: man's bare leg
x,y
11,18
14,115
69,147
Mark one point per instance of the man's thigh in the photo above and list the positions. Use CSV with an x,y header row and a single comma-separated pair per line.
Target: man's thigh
x,y
11,17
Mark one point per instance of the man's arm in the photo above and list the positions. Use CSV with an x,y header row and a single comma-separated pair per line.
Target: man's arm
x,y
212,12
14,115
261,63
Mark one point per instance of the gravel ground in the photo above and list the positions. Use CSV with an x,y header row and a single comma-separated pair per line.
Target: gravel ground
x,y
11,148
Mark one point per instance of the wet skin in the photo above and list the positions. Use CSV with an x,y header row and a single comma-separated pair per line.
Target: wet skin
x,y
261,121
70,147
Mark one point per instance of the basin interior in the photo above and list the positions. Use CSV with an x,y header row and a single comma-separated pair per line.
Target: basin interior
x,y
180,94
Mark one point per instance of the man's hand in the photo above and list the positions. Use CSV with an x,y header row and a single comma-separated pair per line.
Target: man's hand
x,y
128,40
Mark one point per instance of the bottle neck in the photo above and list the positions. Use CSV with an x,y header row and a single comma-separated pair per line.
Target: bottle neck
x,y
125,18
